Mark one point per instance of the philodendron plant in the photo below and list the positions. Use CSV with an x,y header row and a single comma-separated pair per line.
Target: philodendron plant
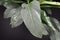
x,y
36,20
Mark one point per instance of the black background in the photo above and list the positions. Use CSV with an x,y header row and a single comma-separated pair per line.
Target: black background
x,y
21,32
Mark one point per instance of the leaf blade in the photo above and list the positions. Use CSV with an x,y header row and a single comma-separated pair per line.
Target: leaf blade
x,y
32,21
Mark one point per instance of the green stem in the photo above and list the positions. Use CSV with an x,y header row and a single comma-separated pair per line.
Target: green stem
x,y
51,3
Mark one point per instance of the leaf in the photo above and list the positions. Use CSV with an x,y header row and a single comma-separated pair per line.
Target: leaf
x,y
15,15
10,9
9,12
16,19
56,23
32,20
35,5
47,20
11,5
55,35
52,35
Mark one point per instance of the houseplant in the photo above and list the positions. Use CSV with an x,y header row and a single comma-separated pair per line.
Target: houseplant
x,y
30,12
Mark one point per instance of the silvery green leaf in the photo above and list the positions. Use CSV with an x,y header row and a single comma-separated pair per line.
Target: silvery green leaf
x,y
15,15
47,20
10,4
36,5
9,12
52,35
56,23
7,5
55,35
10,9
32,20
13,5
16,18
